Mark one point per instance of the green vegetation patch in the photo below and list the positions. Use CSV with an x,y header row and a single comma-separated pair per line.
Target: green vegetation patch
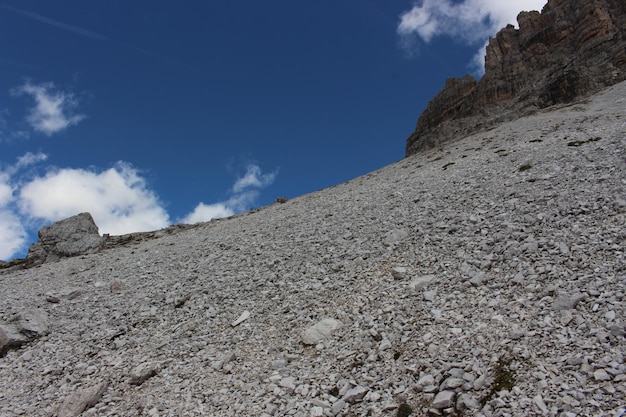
x,y
404,410
503,379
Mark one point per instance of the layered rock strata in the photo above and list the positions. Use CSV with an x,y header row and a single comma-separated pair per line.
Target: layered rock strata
x,y
573,48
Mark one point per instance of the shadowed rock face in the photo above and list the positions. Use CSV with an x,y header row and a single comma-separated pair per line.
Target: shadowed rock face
x,y
572,49
76,235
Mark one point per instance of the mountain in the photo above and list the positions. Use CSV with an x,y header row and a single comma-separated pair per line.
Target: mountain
x,y
487,278
484,276
572,49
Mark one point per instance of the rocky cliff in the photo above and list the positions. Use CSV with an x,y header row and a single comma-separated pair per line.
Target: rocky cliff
x,y
572,49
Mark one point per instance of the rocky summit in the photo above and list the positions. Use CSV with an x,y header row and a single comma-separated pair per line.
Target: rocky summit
x,y
573,48
486,278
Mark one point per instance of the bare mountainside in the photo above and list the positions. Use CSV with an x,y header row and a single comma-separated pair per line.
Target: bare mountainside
x,y
486,278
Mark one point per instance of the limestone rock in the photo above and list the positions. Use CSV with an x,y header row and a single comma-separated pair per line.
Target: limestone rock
x,y
355,394
143,372
419,283
78,402
76,235
570,50
30,325
444,399
33,323
10,338
320,331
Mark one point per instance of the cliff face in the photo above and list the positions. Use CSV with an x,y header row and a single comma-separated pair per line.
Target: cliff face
x,y
573,48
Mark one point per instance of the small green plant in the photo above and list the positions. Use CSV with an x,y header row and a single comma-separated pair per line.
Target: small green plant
x,y
503,379
404,410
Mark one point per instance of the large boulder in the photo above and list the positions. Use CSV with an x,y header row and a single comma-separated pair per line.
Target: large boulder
x,y
572,49
76,235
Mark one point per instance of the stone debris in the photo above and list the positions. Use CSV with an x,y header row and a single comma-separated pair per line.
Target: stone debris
x,y
331,331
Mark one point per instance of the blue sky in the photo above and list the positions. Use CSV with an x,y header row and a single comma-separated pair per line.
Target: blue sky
x,y
150,113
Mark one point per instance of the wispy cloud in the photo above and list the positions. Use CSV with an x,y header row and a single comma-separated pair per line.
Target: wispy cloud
x,y
56,23
245,191
469,21
6,132
53,110
253,178
84,33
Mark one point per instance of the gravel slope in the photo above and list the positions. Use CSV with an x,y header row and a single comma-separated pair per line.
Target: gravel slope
x,y
486,278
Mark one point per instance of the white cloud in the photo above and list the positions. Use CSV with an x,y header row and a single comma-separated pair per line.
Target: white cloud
x,y
245,192
53,111
118,199
12,233
6,191
205,212
254,178
469,21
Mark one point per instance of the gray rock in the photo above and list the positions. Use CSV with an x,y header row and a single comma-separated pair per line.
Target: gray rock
x,y
337,407
243,317
424,381
540,404
601,375
319,331
467,402
443,399
451,383
76,403
355,394
141,373
289,383
10,338
393,237
567,301
430,295
33,323
76,235
419,283
399,272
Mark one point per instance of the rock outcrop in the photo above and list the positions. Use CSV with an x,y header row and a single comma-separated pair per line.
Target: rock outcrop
x,y
570,50
76,235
